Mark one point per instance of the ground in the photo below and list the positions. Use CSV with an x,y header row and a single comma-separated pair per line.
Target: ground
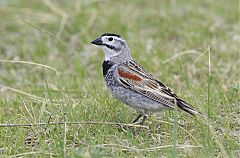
x,y
50,73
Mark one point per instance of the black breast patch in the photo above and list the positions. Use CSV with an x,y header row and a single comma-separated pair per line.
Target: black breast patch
x,y
106,66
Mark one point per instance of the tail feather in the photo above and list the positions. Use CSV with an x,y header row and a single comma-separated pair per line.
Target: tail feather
x,y
187,108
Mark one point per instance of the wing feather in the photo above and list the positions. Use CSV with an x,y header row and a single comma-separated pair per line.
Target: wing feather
x,y
132,76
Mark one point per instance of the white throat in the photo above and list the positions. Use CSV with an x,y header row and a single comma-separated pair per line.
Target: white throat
x,y
109,54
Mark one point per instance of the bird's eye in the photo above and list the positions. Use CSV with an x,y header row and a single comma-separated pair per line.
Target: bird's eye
x,y
110,39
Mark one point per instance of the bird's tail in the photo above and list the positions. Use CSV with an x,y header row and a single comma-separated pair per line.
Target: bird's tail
x,y
187,108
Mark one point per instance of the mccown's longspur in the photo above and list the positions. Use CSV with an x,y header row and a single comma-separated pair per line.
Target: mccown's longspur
x,y
128,82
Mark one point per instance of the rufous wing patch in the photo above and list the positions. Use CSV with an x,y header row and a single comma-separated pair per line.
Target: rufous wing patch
x,y
128,75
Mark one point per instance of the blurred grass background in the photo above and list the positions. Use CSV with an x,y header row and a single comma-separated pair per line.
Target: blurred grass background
x,y
170,38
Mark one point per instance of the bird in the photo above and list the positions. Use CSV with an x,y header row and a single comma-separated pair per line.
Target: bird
x,y
128,82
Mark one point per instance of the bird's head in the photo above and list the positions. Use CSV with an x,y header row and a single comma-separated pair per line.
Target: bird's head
x,y
114,46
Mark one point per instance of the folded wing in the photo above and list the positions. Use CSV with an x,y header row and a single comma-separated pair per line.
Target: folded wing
x,y
132,76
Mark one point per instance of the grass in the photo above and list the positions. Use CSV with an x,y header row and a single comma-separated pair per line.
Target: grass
x,y
49,72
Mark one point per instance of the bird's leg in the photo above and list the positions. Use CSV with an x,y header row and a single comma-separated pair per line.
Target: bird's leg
x,y
136,119
144,118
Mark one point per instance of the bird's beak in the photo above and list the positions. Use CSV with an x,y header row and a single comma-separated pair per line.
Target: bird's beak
x,y
97,41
